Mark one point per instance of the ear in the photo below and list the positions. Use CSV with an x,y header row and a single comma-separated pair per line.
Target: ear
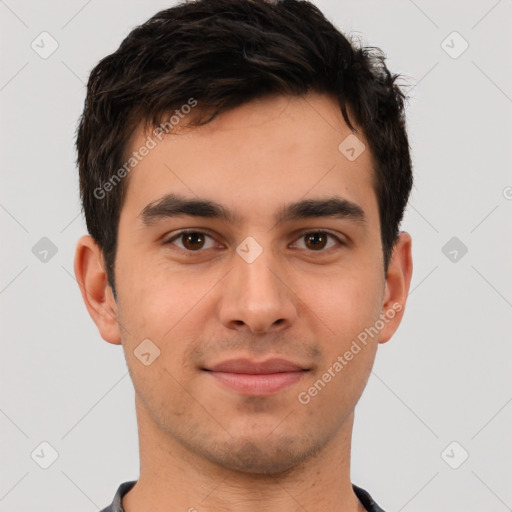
x,y
398,280
96,292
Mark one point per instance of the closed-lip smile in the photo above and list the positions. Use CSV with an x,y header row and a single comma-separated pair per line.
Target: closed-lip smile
x,y
259,378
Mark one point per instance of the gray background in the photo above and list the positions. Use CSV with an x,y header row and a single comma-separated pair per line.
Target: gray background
x,y
444,377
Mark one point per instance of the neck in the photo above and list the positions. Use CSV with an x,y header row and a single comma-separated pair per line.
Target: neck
x,y
172,478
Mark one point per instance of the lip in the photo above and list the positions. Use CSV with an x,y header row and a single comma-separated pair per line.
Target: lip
x,y
248,366
257,378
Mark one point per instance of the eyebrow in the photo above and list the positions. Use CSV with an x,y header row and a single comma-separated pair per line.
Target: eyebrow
x,y
173,205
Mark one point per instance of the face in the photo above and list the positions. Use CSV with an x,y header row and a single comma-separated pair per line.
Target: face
x,y
255,349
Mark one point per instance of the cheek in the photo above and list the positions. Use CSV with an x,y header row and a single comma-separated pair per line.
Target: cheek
x,y
349,304
334,390
349,313
159,301
170,309
157,309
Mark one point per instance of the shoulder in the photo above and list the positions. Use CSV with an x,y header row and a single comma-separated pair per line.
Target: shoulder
x,y
365,498
117,504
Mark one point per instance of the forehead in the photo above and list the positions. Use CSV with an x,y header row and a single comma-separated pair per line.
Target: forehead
x,y
256,157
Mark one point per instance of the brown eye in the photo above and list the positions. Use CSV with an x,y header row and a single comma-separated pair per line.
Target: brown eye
x,y
318,240
192,241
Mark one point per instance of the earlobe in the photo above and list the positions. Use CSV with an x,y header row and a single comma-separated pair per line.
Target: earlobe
x,y
97,296
398,281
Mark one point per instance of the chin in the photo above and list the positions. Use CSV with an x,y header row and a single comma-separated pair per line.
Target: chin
x,y
265,458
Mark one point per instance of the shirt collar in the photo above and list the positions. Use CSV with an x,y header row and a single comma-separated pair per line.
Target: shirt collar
x,y
117,504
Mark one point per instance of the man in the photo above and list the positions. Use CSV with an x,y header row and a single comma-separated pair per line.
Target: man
x,y
244,170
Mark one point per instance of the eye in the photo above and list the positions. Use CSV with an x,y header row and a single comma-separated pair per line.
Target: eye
x,y
195,241
192,240
317,240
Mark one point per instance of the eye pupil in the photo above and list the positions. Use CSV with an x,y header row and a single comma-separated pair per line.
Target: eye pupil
x,y
194,241
187,237
315,237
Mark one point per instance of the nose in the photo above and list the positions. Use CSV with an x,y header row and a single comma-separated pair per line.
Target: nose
x,y
256,296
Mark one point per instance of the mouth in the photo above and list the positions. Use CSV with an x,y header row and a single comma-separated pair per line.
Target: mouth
x,y
255,378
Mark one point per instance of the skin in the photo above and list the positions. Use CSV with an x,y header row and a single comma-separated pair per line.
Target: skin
x,y
203,446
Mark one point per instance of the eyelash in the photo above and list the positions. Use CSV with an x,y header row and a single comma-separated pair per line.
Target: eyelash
x,y
188,231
